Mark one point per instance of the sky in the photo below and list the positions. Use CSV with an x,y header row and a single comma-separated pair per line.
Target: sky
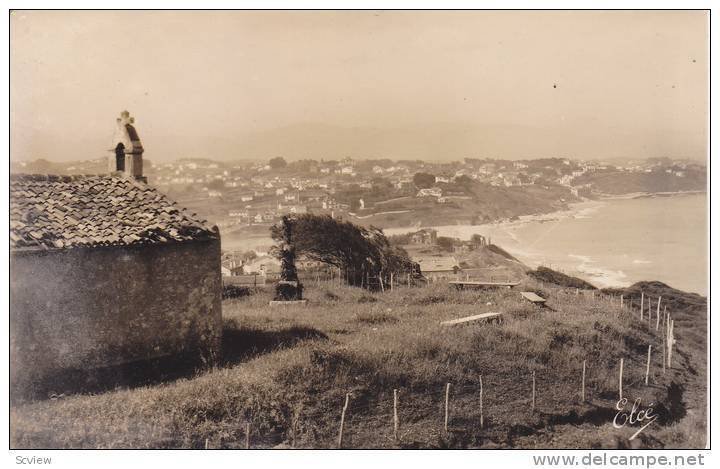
x,y
434,85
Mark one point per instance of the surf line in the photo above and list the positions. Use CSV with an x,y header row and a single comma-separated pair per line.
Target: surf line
x,y
544,235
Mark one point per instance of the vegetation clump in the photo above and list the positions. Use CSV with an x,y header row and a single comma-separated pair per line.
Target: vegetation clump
x,y
544,274
360,253
235,291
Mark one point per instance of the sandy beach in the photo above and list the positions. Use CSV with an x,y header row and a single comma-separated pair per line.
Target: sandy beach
x,y
464,232
611,242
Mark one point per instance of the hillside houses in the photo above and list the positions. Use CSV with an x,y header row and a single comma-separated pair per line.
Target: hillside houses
x,y
312,196
264,265
293,209
438,267
430,192
425,236
333,186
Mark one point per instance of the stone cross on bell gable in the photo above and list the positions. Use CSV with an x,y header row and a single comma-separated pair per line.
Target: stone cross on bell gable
x,y
125,118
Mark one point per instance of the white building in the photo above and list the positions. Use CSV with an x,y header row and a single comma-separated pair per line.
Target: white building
x,y
431,192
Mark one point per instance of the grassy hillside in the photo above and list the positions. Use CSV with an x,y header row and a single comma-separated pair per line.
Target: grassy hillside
x,y
544,274
620,182
486,203
286,372
689,311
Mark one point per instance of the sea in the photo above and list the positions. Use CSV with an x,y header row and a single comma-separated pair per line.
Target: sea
x,y
611,242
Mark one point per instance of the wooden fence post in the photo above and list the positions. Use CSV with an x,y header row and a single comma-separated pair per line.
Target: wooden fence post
x,y
342,420
482,419
671,342
620,380
672,335
533,391
392,279
296,417
664,355
657,314
582,387
247,435
642,304
666,341
622,301
447,404
396,421
647,369
667,337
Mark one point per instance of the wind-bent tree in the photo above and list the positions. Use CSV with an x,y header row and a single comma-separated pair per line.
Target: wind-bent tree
x,y
355,250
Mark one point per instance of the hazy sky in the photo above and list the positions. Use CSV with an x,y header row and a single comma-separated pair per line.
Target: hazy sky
x,y
441,85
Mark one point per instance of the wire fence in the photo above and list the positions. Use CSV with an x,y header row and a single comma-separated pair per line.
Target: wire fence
x,y
382,415
479,405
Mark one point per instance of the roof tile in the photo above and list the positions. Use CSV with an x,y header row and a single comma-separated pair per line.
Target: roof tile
x,y
56,212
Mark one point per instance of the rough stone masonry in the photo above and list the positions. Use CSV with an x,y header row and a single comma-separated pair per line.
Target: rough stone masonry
x,y
106,271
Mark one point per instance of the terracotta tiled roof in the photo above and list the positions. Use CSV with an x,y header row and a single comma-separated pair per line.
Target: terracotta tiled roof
x,y
54,212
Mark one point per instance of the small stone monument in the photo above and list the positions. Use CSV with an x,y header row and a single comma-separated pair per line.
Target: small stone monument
x,y
289,289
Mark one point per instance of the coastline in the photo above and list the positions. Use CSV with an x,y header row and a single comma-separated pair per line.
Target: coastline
x,y
581,208
574,209
648,195
527,238
530,239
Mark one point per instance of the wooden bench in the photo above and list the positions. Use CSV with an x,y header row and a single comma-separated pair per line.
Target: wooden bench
x,y
533,298
477,317
460,284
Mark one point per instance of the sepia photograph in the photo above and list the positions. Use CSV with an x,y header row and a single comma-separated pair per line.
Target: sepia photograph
x,y
359,229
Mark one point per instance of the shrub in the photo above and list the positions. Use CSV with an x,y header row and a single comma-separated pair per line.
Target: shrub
x,y
375,317
543,274
234,291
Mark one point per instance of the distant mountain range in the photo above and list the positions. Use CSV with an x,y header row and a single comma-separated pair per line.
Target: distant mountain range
x,y
450,141
437,141
43,166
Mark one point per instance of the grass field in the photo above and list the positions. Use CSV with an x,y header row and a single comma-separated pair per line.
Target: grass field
x,y
286,372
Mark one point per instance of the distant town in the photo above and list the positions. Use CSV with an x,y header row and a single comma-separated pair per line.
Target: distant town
x,y
359,229
252,195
